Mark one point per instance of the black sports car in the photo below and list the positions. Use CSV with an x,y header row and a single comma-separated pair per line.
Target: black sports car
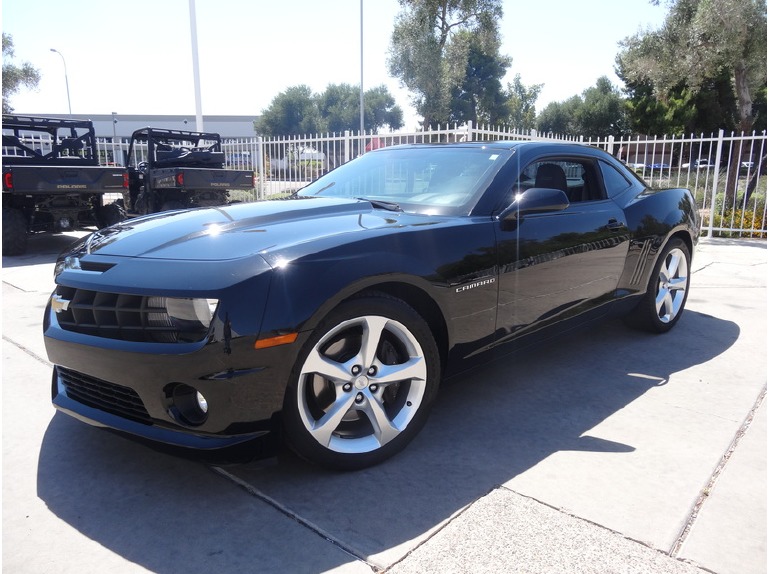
x,y
336,313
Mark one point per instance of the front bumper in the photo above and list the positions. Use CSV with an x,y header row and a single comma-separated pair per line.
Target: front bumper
x,y
243,387
149,431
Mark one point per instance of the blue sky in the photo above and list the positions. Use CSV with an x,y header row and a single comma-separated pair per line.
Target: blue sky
x,y
135,56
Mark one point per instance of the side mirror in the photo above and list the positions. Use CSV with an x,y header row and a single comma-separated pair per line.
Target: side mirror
x,y
535,200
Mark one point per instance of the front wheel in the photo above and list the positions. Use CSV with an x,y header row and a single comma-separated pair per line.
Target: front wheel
x,y
363,384
663,303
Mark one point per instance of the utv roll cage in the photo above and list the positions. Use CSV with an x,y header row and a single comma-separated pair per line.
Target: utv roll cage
x,y
174,148
66,142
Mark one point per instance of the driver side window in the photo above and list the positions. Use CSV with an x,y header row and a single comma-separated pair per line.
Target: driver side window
x,y
577,179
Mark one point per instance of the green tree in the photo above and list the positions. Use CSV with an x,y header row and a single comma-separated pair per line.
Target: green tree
x,y
520,104
560,117
602,111
698,41
429,55
682,109
291,112
299,111
479,95
339,108
380,110
14,77
599,112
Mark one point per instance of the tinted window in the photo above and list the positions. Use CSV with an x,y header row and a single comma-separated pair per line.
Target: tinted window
x,y
576,178
435,179
614,181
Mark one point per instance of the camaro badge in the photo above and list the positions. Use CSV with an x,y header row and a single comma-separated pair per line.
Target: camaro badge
x,y
475,284
59,303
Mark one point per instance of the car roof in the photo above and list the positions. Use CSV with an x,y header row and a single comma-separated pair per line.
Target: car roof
x,y
529,146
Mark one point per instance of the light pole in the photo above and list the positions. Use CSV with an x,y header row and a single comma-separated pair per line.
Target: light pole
x,y
361,87
66,80
196,68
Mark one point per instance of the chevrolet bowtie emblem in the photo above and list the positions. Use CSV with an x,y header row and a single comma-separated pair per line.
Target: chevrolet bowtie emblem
x,y
59,303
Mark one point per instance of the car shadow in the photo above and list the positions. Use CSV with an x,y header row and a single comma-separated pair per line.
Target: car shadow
x,y
486,428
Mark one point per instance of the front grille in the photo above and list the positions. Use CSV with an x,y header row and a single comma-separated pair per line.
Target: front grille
x,y
124,317
104,396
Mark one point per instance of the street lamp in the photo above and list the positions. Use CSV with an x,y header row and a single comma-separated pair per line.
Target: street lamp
x,y
66,80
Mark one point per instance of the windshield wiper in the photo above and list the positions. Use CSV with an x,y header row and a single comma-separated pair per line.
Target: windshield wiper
x,y
389,205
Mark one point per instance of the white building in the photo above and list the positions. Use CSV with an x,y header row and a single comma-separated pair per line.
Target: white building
x,y
123,125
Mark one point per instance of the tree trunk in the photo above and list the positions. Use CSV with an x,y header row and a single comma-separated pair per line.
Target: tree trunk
x,y
745,122
742,90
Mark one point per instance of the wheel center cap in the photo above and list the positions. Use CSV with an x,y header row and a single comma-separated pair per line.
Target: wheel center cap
x,y
361,382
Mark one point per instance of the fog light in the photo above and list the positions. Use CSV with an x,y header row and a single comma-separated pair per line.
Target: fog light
x,y
203,404
187,404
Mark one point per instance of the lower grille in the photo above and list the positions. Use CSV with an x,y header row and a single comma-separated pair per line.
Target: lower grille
x,y
99,394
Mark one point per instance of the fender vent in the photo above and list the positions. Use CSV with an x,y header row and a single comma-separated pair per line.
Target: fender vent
x,y
644,252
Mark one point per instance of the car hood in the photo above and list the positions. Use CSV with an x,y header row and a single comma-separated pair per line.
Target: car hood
x,y
242,230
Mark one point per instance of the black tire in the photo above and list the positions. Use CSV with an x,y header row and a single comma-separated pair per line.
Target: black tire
x,y
363,384
110,214
663,303
14,232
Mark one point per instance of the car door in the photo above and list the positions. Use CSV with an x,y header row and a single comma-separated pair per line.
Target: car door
x,y
559,264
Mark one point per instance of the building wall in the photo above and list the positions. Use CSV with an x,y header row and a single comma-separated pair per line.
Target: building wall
x,y
120,125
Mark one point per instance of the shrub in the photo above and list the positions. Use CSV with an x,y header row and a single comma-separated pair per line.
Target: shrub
x,y
741,222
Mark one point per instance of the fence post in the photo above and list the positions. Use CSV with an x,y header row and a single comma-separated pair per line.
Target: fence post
x,y
260,168
715,184
346,146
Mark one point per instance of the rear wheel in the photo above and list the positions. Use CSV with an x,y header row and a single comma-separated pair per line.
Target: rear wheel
x,y
363,385
663,303
14,232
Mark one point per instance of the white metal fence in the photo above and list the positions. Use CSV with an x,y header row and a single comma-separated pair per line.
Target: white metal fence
x,y
726,173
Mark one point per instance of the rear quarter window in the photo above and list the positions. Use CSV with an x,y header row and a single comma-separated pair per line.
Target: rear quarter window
x,y
614,181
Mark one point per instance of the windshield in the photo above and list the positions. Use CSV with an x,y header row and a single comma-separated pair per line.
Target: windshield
x,y
436,179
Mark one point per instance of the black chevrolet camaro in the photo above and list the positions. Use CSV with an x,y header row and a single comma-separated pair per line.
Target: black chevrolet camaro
x,y
332,316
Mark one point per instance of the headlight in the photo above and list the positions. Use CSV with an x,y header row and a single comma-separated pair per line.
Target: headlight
x,y
200,310
189,318
68,262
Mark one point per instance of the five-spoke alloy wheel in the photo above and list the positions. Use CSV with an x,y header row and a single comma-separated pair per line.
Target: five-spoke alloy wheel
x,y
663,303
363,384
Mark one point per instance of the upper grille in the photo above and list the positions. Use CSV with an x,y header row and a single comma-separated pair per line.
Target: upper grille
x,y
125,317
102,395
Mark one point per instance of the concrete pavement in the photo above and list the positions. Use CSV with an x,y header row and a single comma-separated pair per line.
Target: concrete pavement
x,y
608,451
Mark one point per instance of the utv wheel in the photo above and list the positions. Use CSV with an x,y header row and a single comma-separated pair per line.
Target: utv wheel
x,y
663,303
362,385
110,214
14,232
